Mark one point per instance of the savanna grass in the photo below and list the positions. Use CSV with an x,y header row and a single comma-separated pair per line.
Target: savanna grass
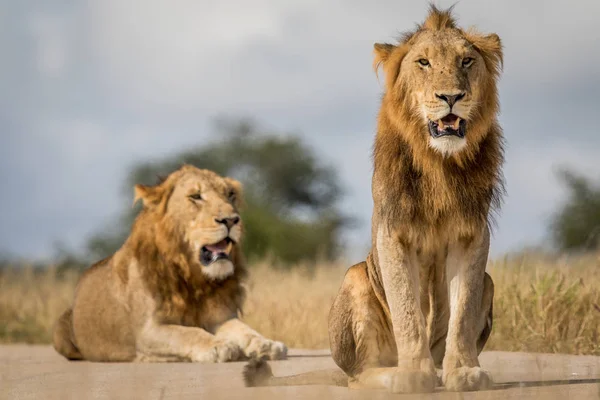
x,y
542,304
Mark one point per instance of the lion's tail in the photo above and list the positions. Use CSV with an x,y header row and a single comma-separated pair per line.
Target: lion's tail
x,y
63,337
258,373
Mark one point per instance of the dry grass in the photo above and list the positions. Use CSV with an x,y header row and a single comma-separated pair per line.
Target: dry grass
x,y
292,306
31,301
541,305
545,305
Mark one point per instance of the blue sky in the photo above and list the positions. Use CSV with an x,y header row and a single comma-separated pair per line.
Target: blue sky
x,y
89,88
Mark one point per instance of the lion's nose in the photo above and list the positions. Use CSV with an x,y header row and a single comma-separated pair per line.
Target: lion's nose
x,y
229,221
451,99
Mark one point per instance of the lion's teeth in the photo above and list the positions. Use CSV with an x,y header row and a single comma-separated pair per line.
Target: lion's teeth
x,y
456,124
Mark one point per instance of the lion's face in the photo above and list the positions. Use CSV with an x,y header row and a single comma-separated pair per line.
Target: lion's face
x,y
201,207
446,74
444,79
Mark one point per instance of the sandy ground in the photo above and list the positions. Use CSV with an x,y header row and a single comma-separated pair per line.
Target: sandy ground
x,y
37,372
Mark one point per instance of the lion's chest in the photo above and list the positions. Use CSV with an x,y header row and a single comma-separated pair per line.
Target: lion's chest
x,y
447,212
207,311
431,209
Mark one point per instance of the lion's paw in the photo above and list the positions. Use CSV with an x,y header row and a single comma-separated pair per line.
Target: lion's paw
x,y
413,381
466,379
221,351
260,347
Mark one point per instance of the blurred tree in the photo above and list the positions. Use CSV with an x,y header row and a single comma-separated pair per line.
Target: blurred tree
x,y
291,199
576,225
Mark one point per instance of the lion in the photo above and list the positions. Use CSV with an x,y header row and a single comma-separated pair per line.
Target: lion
x,y
422,299
174,290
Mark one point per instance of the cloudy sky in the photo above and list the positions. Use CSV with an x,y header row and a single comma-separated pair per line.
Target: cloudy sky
x,y
88,88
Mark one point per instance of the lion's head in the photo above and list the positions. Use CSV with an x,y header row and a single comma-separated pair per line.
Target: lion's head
x,y
441,84
194,214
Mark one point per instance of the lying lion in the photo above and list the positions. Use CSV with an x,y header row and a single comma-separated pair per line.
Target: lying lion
x,y
423,299
173,291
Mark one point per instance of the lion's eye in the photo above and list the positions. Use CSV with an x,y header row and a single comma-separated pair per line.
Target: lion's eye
x,y
424,62
195,196
466,62
231,196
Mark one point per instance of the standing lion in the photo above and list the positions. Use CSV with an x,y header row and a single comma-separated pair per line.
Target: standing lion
x,y
422,299
173,291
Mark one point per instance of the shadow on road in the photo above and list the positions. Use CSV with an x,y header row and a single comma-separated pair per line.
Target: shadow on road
x,y
508,385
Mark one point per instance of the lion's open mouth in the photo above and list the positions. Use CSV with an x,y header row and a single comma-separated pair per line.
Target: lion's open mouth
x,y
215,252
450,125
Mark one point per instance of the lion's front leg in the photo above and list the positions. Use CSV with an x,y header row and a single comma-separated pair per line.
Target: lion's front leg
x,y
161,342
252,343
400,277
465,279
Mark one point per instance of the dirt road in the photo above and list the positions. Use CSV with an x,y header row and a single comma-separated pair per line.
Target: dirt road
x,y
37,372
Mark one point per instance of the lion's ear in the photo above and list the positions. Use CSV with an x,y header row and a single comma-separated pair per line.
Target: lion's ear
x,y
490,48
150,195
390,58
382,52
236,186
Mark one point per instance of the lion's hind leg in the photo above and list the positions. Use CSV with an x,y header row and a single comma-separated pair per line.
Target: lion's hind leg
x,y
63,337
487,312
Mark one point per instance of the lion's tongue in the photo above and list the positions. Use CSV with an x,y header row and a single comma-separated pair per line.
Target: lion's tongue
x,y
220,247
449,121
